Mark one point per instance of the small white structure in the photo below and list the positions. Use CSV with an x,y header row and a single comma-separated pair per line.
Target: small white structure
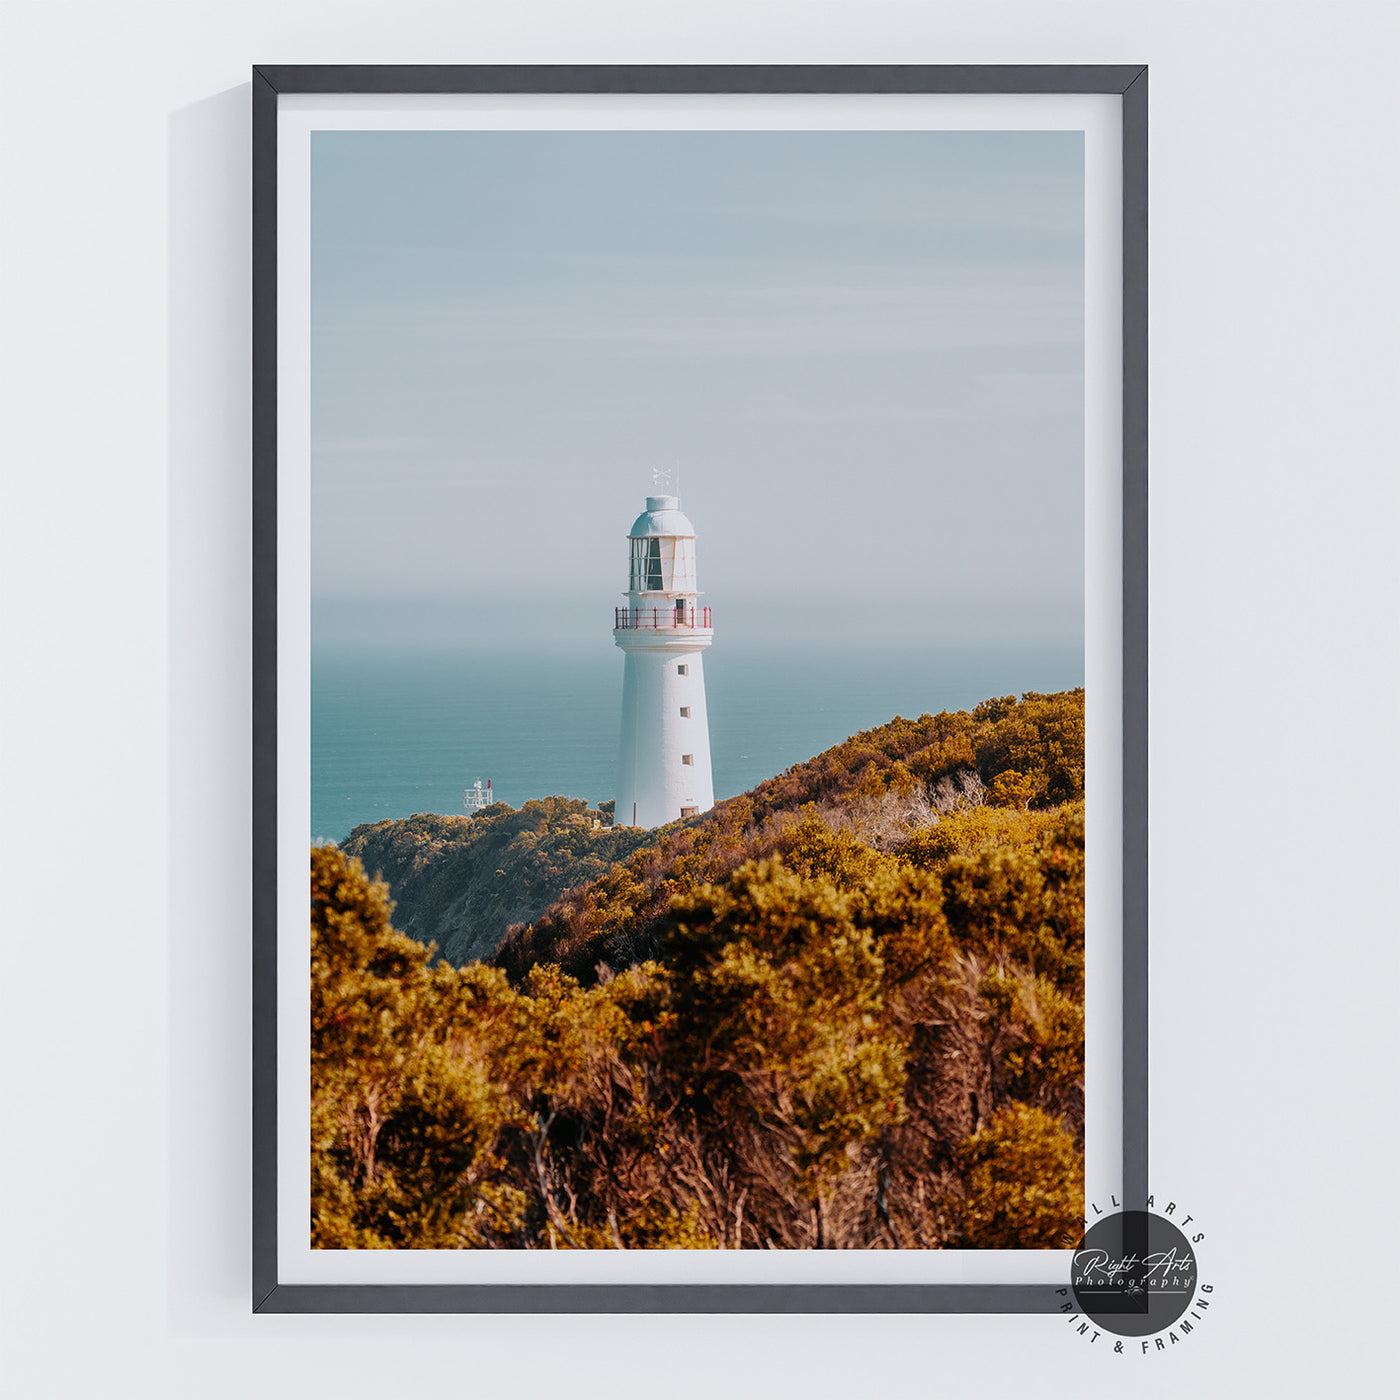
x,y
474,798
664,769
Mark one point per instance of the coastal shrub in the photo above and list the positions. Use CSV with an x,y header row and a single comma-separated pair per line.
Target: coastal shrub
x,y
461,881
1024,904
970,830
405,1101
844,1010
1024,1184
616,916
1035,749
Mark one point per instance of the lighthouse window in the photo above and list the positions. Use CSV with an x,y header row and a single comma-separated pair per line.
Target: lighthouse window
x,y
646,574
685,711
682,670
688,758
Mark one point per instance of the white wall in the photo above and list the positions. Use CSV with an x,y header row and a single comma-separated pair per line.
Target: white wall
x,y
1274,359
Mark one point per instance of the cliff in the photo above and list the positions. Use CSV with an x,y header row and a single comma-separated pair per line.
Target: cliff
x,y
460,882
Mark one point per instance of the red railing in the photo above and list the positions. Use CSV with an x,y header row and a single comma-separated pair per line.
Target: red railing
x,y
660,618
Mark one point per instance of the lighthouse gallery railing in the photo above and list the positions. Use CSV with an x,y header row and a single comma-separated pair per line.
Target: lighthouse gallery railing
x,y
660,618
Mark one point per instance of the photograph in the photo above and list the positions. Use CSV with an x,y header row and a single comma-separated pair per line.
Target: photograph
x,y
697,689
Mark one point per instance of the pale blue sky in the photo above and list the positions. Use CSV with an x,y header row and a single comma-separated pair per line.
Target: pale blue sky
x,y
864,351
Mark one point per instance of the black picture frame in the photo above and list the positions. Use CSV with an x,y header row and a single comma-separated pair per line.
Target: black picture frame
x,y
269,83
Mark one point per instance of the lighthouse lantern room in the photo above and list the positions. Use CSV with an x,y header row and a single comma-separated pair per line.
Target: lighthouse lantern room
x,y
664,767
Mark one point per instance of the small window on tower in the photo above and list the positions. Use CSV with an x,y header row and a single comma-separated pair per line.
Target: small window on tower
x,y
682,670
688,758
689,811
685,711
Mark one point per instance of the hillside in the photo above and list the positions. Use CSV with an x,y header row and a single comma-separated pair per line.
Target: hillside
x,y
881,786
460,882
545,884
845,1010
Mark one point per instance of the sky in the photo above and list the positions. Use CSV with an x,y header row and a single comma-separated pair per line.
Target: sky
x,y
862,352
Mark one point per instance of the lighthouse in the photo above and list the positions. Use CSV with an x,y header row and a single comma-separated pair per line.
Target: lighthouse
x,y
664,766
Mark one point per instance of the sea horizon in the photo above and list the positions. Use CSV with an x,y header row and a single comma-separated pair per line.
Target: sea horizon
x,y
402,730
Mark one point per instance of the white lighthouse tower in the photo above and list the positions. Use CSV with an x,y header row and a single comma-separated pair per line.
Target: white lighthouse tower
x,y
664,771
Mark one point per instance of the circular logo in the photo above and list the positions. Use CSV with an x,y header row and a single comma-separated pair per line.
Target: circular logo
x,y
1134,1273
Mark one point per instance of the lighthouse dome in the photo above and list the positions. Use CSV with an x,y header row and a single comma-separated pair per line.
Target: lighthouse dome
x,y
663,516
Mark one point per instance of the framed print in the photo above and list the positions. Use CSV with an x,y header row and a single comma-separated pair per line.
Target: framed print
x,y
700,650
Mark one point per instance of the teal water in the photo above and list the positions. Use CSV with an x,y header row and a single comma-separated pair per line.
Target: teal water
x,y
399,732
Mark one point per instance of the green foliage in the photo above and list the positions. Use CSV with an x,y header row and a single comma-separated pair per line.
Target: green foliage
x,y
849,1012
1013,789
780,995
404,1106
971,830
1034,751
615,919
812,849
1035,1033
1024,1184
461,882
1024,903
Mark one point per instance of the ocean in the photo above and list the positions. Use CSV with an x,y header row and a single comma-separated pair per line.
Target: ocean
x,y
396,732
